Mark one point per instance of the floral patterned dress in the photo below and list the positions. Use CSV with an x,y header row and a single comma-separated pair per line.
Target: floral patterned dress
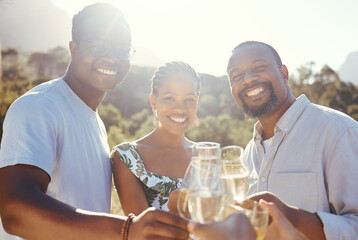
x,y
156,187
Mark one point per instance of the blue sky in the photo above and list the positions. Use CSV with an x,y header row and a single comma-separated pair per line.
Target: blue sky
x,y
203,32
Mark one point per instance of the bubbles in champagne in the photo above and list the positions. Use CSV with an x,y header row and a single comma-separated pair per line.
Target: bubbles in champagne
x,y
205,206
236,185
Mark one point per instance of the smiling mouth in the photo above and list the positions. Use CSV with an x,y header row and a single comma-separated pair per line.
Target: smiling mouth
x,y
105,71
254,92
177,119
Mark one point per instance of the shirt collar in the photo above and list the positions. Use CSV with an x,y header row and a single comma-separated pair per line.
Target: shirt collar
x,y
287,120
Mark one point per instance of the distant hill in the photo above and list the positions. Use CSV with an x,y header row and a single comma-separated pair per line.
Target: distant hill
x,y
38,25
35,25
348,71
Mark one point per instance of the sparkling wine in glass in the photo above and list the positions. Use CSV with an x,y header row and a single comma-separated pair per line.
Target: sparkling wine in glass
x,y
205,193
235,175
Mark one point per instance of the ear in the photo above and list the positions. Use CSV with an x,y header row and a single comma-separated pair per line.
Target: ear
x,y
73,48
153,100
284,73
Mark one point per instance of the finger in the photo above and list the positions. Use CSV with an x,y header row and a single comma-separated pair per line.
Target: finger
x,y
262,195
275,213
170,219
173,199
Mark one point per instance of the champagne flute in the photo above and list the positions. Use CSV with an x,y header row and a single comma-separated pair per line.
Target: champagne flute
x,y
205,193
206,152
258,216
235,175
192,174
182,203
202,152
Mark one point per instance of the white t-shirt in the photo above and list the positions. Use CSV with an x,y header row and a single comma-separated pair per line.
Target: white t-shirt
x,y
52,128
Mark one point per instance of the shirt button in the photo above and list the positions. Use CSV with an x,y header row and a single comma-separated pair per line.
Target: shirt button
x,y
263,179
260,148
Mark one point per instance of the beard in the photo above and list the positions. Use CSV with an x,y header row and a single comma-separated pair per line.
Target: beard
x,y
262,110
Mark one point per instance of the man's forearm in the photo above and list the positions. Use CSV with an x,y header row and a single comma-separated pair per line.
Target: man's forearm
x,y
44,218
307,223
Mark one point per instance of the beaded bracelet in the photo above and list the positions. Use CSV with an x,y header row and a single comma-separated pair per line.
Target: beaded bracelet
x,y
125,226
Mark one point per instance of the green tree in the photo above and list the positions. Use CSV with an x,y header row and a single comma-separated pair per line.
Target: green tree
x,y
43,62
110,115
222,129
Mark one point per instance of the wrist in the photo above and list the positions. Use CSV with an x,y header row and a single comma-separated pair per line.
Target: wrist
x,y
126,225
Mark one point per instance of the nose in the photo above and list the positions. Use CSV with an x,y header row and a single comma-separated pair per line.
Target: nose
x,y
250,77
181,107
112,56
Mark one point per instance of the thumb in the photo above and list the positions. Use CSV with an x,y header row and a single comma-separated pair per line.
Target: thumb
x,y
272,209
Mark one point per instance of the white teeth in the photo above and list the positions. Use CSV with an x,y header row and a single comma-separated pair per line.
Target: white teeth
x,y
255,91
106,71
179,120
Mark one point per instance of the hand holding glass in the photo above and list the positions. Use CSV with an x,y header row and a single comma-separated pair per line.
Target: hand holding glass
x,y
257,215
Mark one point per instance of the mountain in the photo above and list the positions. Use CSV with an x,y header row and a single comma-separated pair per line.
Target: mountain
x,y
35,25
348,71
146,57
38,25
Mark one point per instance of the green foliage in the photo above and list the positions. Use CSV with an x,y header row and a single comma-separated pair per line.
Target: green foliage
x,y
116,136
145,128
222,129
325,88
353,111
110,115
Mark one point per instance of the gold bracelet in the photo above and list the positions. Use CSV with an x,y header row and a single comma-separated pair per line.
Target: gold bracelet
x,y
125,226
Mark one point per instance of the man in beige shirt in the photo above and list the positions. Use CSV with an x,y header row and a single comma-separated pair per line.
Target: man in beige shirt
x,y
304,155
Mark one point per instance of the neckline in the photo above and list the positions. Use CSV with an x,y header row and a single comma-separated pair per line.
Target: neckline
x,y
148,171
83,105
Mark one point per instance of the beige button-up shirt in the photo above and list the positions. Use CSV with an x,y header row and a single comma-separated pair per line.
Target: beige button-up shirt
x,y
312,163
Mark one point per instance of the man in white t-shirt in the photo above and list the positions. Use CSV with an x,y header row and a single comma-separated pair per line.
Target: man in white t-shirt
x,y
55,173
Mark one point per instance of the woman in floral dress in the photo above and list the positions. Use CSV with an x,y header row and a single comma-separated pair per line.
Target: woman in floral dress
x,y
148,169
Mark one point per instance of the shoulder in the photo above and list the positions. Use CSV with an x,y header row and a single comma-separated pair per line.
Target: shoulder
x,y
38,98
126,151
331,118
124,147
33,107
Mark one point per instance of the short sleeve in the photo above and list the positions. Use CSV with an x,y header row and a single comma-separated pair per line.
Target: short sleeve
x,y
30,133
